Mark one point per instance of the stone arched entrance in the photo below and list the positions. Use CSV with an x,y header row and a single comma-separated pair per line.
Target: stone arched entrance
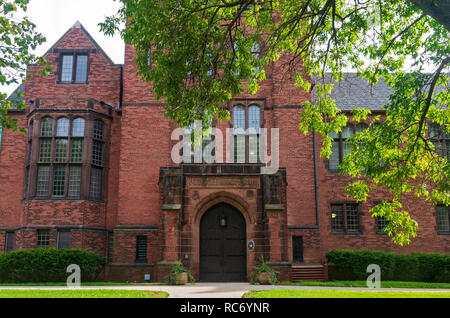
x,y
223,245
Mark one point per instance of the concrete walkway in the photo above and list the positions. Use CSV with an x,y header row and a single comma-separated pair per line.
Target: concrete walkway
x,y
220,290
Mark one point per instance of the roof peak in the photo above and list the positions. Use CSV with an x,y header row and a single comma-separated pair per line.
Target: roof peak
x,y
77,25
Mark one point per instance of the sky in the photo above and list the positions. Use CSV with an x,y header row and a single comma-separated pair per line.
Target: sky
x,y
54,17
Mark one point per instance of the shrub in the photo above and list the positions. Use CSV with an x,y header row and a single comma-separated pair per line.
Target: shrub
x,y
263,267
45,265
174,276
352,265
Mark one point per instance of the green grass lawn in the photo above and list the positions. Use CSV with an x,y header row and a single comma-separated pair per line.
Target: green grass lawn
x,y
384,284
82,284
291,293
84,293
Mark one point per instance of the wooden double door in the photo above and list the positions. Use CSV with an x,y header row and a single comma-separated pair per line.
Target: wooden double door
x,y
223,245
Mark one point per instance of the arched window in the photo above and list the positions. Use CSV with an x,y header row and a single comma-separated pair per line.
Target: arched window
x,y
78,127
239,119
246,125
47,127
62,127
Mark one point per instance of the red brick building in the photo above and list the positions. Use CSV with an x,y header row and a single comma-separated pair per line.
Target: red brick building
x,y
95,171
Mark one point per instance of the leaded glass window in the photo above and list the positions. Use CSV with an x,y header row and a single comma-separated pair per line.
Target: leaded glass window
x,y
43,238
74,68
341,146
345,218
96,184
62,127
81,73
59,171
67,68
61,150
59,179
74,181
440,139
76,153
43,181
78,127
45,151
443,218
47,127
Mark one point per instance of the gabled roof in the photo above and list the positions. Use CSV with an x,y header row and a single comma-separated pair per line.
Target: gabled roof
x,y
355,92
15,95
78,25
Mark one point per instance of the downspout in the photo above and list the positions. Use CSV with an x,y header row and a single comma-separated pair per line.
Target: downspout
x,y
316,181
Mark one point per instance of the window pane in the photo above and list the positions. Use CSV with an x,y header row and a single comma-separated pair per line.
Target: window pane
x,y
442,218
347,132
239,148
45,150
97,153
47,127
253,119
64,239
78,127
256,51
59,179
352,217
76,153
81,74
253,148
337,218
96,184
334,158
43,238
361,127
67,68
42,181
239,119
334,135
346,148
62,127
74,181
434,131
61,150
438,147
98,130
381,223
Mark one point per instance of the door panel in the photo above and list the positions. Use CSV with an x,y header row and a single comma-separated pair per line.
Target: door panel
x,y
222,248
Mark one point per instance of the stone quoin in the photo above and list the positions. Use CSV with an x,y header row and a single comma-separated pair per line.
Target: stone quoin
x,y
95,171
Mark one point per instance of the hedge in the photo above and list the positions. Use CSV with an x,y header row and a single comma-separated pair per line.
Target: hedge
x,y
352,265
46,265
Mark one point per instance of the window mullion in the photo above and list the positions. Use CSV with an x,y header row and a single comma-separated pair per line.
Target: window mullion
x,y
74,68
344,212
86,159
